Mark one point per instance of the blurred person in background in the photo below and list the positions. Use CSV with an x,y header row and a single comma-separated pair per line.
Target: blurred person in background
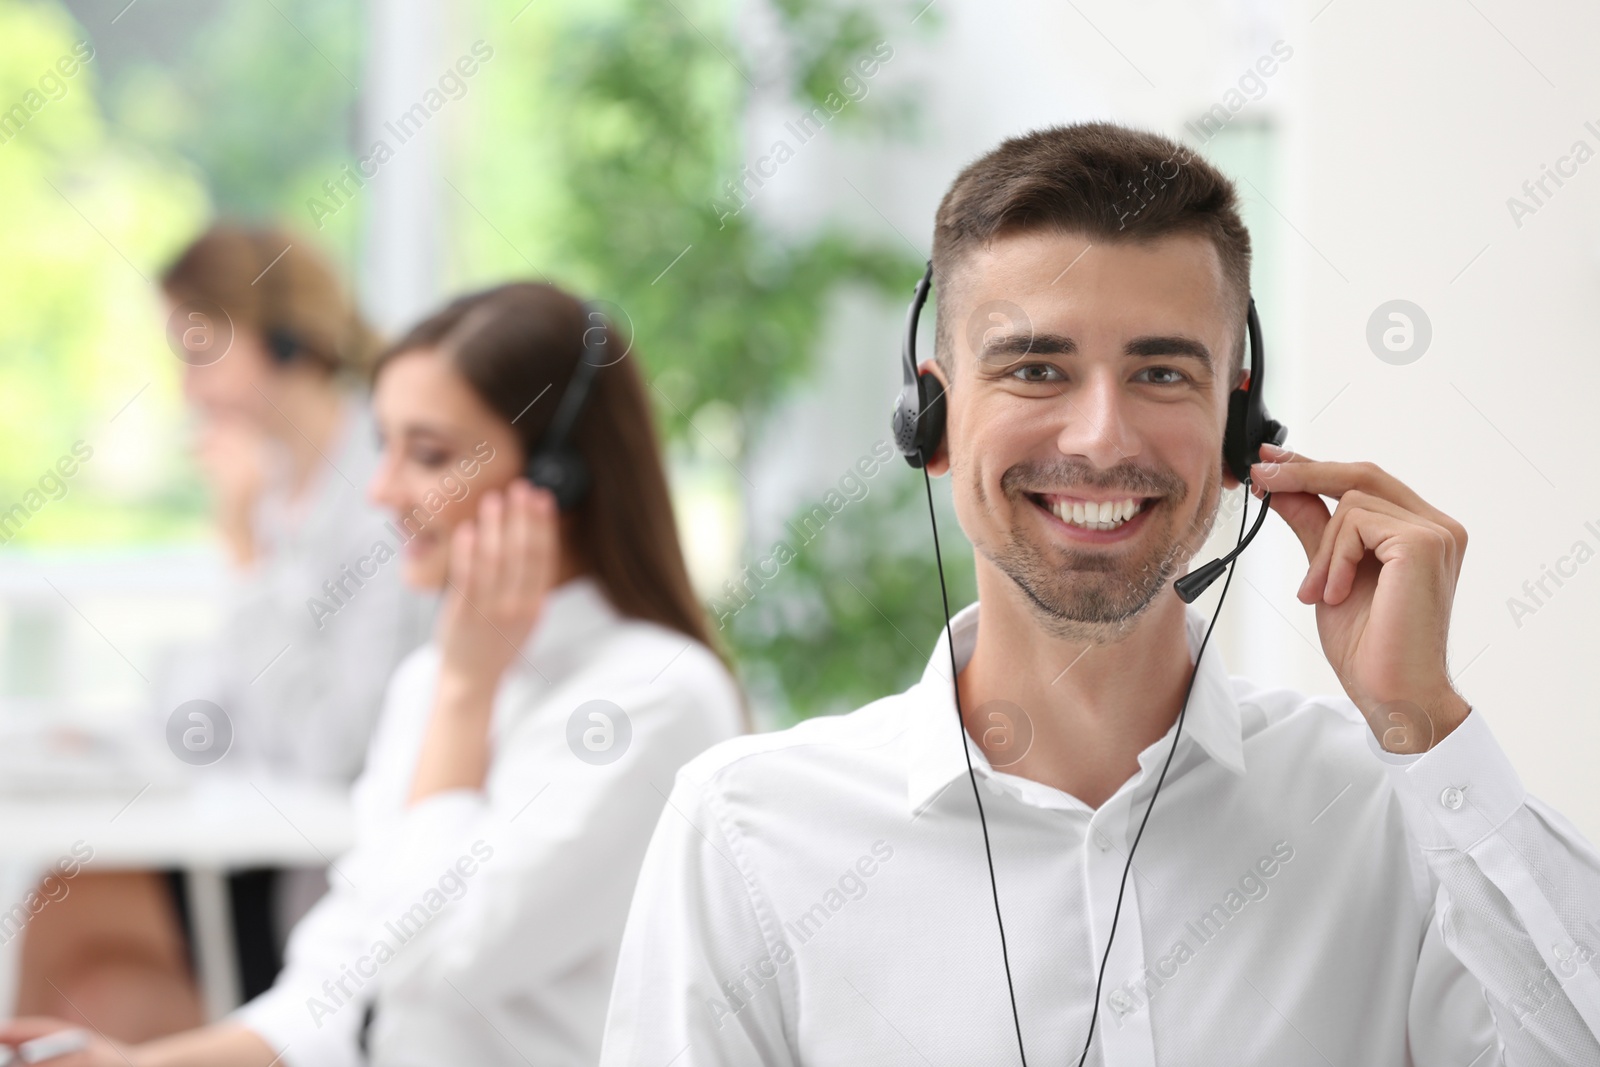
x,y
524,756
275,361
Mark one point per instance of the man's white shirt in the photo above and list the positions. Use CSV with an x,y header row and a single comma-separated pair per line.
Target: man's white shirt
x,y
820,896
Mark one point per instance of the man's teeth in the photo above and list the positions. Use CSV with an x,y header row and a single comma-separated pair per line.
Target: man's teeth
x,y
1107,515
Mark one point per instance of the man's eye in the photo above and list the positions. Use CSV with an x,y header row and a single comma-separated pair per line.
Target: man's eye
x,y
1036,372
1176,375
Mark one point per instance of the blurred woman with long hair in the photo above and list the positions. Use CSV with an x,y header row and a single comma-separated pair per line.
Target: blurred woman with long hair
x,y
276,366
525,755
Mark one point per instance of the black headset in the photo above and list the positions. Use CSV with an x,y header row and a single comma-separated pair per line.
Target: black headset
x,y
919,418
284,345
918,426
555,464
919,413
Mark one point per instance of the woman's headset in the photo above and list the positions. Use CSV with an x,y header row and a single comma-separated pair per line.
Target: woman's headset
x,y
918,426
556,464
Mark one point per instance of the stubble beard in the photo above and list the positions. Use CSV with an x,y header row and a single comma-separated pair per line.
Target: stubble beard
x,y
1098,595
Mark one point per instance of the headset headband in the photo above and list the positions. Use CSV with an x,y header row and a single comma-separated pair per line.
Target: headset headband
x,y
908,343
577,391
555,464
918,428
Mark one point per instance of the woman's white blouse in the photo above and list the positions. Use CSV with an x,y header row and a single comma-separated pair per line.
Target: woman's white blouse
x,y
483,927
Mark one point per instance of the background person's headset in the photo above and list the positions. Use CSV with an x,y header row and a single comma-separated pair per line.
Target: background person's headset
x,y
918,426
555,464
283,343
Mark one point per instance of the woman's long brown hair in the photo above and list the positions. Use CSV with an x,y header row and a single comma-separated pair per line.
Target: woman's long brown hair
x,y
517,346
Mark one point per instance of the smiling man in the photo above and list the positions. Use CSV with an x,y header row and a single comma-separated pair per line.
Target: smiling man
x,y
1349,879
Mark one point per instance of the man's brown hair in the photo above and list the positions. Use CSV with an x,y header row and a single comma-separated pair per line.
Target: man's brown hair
x,y
1107,182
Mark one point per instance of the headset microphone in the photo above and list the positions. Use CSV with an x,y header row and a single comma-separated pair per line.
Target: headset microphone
x,y
1191,585
918,425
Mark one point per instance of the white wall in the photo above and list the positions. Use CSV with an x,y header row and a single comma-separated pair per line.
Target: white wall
x,y
1400,132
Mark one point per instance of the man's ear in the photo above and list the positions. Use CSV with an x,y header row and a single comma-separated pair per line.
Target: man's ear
x,y
939,463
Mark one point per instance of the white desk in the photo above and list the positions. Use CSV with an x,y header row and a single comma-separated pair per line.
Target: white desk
x,y
217,822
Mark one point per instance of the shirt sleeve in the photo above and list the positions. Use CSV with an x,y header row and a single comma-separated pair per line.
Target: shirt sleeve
x,y
1517,906
558,842
701,974
312,1014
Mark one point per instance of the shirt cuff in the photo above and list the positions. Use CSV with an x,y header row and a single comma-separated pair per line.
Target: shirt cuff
x,y
307,1027
1458,792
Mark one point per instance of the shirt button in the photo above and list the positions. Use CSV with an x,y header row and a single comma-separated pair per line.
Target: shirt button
x,y
1452,798
1100,841
1120,1001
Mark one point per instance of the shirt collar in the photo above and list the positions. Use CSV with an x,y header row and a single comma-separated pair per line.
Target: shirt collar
x,y
934,757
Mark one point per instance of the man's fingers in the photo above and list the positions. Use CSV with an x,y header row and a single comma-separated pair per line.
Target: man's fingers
x,y
1317,576
1285,471
1291,472
1306,514
1347,551
1326,478
1375,526
1362,532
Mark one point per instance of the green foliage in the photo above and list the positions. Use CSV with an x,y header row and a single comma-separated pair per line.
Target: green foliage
x,y
86,213
613,171
627,144
179,113
260,99
598,145
854,616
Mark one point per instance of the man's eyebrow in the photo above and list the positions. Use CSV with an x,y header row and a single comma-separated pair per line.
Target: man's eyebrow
x,y
1051,344
1175,345
1028,344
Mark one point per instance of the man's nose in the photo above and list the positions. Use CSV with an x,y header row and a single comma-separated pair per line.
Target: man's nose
x,y
1096,422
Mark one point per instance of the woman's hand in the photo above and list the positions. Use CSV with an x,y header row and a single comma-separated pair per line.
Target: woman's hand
x,y
232,457
98,1053
224,1044
502,565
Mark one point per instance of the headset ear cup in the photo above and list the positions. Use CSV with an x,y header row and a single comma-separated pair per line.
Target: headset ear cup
x,y
281,346
930,423
903,424
1239,451
562,471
